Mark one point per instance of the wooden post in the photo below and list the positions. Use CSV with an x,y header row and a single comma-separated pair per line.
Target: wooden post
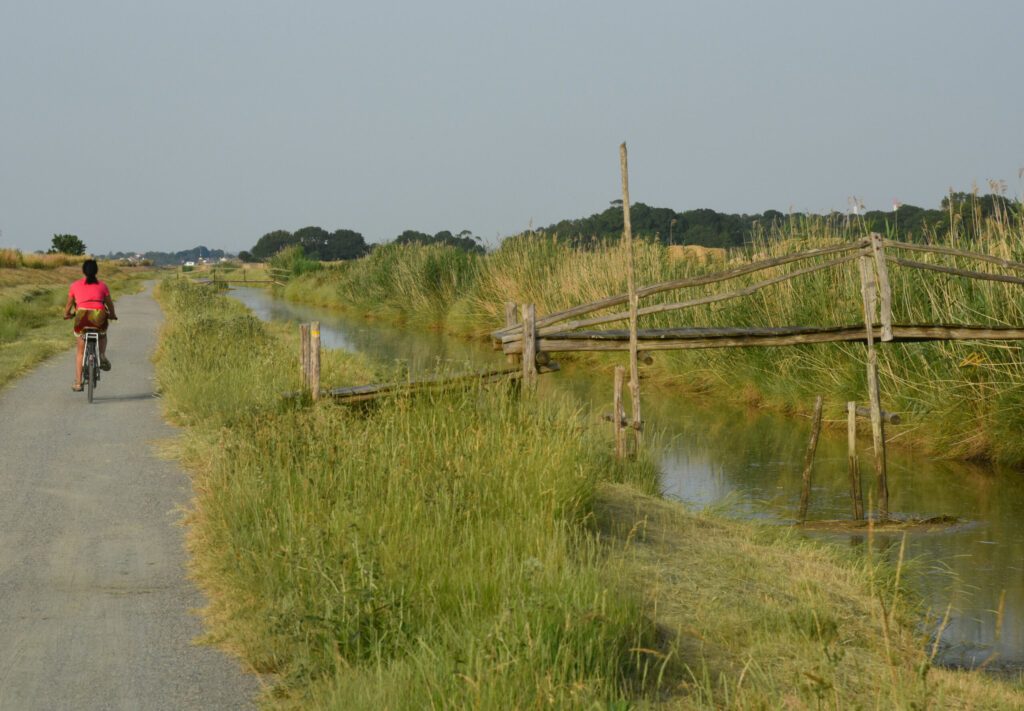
x,y
619,413
851,458
878,436
877,431
314,360
884,291
304,355
812,447
510,321
867,292
529,346
634,301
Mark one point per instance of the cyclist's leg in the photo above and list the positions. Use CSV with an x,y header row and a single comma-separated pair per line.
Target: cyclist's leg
x,y
79,354
105,364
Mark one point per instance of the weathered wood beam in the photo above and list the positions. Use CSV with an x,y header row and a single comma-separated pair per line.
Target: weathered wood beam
x,y
687,339
985,276
935,249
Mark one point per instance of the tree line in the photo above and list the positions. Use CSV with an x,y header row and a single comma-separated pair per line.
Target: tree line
x,y
318,243
709,228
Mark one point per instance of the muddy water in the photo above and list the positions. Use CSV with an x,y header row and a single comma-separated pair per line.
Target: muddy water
x,y
748,463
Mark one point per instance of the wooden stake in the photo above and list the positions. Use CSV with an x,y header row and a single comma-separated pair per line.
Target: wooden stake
x,y
304,355
634,301
812,447
878,434
867,293
882,277
529,346
314,360
510,321
867,286
851,458
619,413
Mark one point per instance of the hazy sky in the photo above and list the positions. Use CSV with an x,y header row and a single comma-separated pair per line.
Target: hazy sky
x,y
163,125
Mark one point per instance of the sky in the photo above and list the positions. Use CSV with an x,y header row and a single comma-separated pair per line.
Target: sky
x,y
141,125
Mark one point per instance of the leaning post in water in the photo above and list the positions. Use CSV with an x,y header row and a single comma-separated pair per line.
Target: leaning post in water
x,y
856,496
812,447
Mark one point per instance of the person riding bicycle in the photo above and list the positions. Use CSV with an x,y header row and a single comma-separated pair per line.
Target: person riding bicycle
x,y
90,303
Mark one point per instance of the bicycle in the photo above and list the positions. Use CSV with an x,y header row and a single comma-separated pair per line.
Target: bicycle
x,y
90,361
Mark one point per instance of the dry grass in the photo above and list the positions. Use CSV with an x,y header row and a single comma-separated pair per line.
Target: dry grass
x,y
14,259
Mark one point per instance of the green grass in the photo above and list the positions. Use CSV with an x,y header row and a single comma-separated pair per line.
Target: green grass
x,y
960,399
470,549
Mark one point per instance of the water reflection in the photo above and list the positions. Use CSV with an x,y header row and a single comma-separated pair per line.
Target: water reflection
x,y
750,462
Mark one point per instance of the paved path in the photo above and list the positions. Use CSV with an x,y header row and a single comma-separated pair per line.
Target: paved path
x,y
94,604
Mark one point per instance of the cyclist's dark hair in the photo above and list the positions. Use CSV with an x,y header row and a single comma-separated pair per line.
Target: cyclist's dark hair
x,y
89,268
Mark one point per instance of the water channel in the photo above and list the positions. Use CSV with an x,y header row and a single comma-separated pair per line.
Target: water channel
x,y
748,463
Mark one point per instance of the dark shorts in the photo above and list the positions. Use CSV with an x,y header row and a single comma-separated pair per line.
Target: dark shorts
x,y
90,318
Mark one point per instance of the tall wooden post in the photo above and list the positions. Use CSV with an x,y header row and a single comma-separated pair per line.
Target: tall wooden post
x,y
851,460
511,319
868,285
304,355
812,447
878,436
529,346
619,413
634,370
882,280
314,360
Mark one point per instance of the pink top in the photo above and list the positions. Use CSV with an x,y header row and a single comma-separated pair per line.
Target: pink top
x,y
89,296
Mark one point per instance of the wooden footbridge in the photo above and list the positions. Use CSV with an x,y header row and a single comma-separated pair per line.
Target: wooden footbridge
x,y
533,338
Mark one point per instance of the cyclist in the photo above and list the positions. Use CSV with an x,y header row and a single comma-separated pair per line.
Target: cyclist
x,y
89,300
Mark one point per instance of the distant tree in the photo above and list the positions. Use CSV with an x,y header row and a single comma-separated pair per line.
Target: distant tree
x,y
413,237
465,240
313,240
67,244
271,243
344,244
245,256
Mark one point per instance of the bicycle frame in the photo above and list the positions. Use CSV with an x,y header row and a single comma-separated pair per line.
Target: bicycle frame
x,y
90,360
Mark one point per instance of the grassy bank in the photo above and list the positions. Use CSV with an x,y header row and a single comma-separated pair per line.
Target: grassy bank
x,y
33,290
961,400
472,549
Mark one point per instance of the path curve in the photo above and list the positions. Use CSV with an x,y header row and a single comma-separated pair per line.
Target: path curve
x,y
95,609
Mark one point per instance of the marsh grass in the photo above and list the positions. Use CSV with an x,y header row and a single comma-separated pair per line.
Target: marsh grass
x,y
961,399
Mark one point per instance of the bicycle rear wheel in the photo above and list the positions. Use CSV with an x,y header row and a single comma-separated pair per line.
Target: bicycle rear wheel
x,y
90,379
